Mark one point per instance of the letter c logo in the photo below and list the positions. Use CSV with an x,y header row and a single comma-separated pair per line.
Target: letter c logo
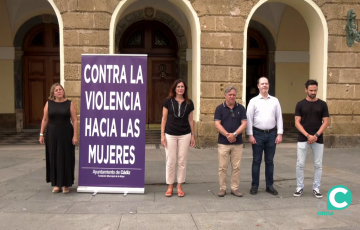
x,y
332,198
343,195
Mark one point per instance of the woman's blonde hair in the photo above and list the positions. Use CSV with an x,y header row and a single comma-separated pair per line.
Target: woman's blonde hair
x,y
52,89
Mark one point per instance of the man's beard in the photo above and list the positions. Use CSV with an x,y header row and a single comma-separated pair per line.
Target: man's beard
x,y
312,96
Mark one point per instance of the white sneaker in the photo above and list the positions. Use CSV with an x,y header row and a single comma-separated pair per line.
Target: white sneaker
x,y
299,191
317,193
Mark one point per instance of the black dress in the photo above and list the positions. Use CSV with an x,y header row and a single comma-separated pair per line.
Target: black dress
x,y
60,152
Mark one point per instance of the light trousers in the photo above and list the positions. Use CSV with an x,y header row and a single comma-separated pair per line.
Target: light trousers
x,y
174,143
234,152
318,151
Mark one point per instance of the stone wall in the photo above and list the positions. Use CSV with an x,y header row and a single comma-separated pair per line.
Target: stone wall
x,y
222,25
86,30
343,89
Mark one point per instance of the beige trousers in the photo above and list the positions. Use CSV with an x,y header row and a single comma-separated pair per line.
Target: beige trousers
x,y
173,143
234,152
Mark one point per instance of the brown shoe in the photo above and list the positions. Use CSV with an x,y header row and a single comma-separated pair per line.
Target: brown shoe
x,y
236,193
221,193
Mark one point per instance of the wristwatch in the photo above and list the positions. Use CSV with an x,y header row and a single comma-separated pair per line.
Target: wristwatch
x,y
317,135
235,134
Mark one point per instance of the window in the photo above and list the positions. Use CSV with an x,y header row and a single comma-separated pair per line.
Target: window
x,y
160,39
135,39
253,43
38,39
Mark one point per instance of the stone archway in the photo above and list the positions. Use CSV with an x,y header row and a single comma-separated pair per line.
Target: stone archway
x,y
270,55
194,54
158,15
18,41
318,31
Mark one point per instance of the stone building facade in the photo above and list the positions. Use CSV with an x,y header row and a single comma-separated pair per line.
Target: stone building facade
x,y
219,43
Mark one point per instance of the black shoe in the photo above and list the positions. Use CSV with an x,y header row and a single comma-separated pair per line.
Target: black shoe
x,y
298,192
317,193
253,190
271,190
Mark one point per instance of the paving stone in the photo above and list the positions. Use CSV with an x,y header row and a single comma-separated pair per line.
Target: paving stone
x,y
342,228
300,218
20,169
172,205
157,221
73,196
37,207
231,220
10,161
307,200
103,207
25,187
22,154
352,215
153,155
3,203
190,195
19,195
148,196
4,192
11,221
82,222
240,204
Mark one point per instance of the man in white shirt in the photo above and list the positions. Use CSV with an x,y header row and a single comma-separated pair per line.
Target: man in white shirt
x,y
265,129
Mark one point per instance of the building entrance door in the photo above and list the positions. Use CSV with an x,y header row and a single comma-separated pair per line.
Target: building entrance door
x,y
157,41
41,70
255,64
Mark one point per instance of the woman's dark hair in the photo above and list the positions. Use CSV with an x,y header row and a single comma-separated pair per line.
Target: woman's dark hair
x,y
310,82
172,93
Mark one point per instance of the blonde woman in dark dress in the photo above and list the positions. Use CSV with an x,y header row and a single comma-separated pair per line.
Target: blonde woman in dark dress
x,y
60,141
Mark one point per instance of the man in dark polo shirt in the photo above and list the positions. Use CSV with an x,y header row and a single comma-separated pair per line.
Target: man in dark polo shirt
x,y
230,121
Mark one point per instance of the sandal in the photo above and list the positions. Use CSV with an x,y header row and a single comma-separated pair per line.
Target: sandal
x,y
169,191
180,191
56,190
66,190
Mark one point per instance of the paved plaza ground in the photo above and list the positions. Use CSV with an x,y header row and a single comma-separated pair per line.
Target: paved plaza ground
x,y
26,201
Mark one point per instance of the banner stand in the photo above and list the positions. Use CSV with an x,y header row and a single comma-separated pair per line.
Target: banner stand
x,y
110,190
112,123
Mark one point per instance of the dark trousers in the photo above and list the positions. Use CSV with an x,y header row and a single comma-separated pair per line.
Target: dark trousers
x,y
265,142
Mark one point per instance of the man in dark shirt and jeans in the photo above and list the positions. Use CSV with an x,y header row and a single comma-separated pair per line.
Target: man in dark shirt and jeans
x,y
230,121
311,119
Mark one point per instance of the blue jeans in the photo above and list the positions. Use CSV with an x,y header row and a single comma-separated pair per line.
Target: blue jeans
x,y
318,151
265,142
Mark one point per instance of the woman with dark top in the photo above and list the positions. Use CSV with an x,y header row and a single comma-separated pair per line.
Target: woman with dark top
x,y
177,132
61,138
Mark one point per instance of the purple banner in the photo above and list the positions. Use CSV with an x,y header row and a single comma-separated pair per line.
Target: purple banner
x,y
112,122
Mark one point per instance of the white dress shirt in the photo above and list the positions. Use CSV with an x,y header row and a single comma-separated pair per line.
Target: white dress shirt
x,y
264,114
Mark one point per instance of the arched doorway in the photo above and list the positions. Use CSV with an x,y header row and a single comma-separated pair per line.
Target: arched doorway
x,y
157,41
312,50
41,70
256,63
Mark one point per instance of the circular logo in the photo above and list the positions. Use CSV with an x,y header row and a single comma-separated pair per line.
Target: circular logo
x,y
339,197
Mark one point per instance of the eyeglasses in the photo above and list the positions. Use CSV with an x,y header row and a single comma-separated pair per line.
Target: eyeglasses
x,y
232,113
